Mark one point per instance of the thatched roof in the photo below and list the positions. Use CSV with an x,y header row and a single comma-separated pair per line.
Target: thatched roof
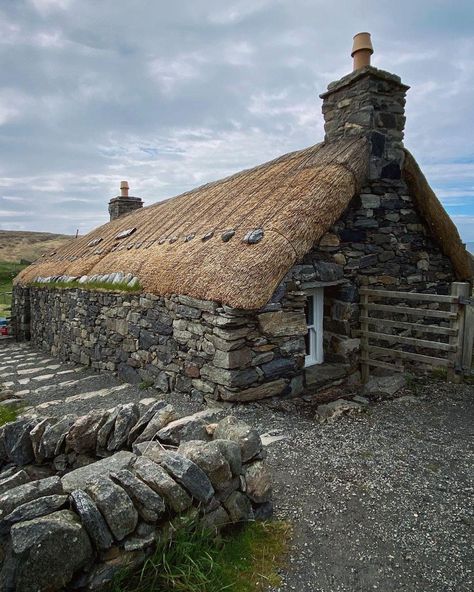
x,y
293,199
442,228
177,245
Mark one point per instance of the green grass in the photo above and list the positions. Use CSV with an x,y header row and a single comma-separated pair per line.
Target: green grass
x,y
192,560
74,285
7,272
7,414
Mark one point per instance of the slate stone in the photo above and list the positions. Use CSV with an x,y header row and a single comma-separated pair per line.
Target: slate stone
x,y
209,457
82,435
231,428
128,374
149,504
279,367
159,420
36,434
183,470
327,272
227,235
231,452
215,520
258,485
13,480
79,477
48,551
18,445
54,437
28,492
391,171
353,236
377,143
115,505
106,429
159,480
184,429
92,519
127,417
238,507
141,424
33,509
263,511
254,236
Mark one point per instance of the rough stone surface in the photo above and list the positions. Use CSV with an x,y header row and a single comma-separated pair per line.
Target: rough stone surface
x,y
186,472
258,486
17,478
115,505
28,492
161,418
92,520
230,428
47,551
159,480
210,458
149,504
34,509
77,478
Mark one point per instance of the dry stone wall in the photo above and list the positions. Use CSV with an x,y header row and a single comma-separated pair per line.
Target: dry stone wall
x,y
176,343
86,496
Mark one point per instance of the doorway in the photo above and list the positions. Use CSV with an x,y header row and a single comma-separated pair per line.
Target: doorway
x,y
314,319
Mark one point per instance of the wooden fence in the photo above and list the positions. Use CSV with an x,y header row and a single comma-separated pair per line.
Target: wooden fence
x,y
449,342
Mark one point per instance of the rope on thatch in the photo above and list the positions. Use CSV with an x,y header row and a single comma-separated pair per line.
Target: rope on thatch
x,y
442,228
178,244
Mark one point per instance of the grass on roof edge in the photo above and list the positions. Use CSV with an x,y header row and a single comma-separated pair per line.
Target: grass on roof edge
x,y
96,286
247,559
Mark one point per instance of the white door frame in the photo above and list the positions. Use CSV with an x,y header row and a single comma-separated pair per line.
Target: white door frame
x,y
315,327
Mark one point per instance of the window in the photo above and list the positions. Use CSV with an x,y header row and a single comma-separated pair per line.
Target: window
x,y
314,320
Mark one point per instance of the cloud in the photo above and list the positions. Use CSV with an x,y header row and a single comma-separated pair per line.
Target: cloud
x,y
172,95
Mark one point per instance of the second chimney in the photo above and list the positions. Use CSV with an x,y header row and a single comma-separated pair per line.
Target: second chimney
x,y
123,203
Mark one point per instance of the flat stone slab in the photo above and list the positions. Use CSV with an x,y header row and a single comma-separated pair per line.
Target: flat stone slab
x,y
101,468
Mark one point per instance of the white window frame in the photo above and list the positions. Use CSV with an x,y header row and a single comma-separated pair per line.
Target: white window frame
x,y
315,330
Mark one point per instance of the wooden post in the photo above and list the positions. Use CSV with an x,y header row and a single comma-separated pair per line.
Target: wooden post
x,y
468,339
458,289
364,342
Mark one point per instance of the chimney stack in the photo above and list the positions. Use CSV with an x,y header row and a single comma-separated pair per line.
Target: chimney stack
x,y
123,203
124,188
361,50
368,103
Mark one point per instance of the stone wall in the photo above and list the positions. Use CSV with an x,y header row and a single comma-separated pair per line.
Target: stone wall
x,y
75,498
177,343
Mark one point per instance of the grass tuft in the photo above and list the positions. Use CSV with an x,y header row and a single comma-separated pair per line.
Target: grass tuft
x,y
7,414
192,560
75,285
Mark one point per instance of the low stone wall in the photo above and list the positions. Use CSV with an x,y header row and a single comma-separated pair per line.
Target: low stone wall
x,y
176,343
81,498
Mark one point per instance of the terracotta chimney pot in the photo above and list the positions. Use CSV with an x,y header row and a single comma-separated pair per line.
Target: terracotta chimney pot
x,y
124,189
362,50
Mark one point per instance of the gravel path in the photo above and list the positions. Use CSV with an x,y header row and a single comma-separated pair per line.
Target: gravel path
x,y
379,501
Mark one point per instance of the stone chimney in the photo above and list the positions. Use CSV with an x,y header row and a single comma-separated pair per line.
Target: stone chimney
x,y
368,102
123,203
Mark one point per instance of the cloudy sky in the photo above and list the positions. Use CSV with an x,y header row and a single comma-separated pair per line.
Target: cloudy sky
x,y
171,94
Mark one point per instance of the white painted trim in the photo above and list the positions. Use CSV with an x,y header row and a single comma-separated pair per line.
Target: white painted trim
x,y
316,355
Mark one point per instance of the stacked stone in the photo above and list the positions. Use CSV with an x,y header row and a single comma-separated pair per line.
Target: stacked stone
x,y
177,343
114,279
380,240
94,520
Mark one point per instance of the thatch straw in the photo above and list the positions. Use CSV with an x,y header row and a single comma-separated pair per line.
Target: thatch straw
x,y
442,228
294,199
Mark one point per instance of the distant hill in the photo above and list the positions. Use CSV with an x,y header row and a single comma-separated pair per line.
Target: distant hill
x,y
470,247
16,245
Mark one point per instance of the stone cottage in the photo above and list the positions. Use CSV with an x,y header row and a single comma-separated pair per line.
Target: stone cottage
x,y
247,287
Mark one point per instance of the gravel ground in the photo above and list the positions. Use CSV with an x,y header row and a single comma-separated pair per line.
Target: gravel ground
x,y
378,501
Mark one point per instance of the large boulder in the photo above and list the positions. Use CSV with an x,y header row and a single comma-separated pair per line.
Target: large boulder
x,y
45,553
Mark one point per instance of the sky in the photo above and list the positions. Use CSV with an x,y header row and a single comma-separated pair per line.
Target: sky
x,y
170,95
